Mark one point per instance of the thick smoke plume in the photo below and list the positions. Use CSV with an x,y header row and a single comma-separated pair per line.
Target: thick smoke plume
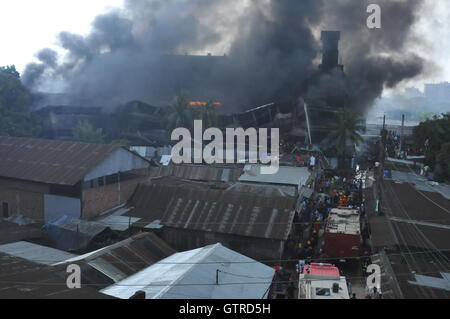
x,y
270,52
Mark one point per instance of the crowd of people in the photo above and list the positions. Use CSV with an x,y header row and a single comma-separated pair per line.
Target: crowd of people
x,y
332,192
305,244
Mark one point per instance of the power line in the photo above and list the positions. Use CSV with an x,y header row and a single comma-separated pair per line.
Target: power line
x,y
413,261
435,254
313,260
425,239
421,193
205,284
237,224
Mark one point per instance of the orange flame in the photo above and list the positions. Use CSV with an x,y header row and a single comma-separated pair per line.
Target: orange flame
x,y
198,103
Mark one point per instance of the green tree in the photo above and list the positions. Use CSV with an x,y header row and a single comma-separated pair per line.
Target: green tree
x,y
87,133
209,116
442,168
426,115
179,114
345,133
15,118
121,142
431,135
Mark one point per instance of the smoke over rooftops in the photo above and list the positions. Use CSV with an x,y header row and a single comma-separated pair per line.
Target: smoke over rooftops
x,y
139,52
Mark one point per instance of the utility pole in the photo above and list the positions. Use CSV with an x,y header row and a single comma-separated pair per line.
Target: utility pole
x,y
402,134
307,122
380,170
383,142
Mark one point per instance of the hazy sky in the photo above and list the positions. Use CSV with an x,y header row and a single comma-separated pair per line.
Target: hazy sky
x,y
26,26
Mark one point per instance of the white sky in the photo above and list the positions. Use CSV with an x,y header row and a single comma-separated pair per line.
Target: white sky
x,y
26,26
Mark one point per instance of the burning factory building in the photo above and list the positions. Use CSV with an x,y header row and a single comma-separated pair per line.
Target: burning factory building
x,y
138,118
270,75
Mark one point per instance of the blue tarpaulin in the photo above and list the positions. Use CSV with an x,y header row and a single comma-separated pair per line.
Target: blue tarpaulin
x,y
72,234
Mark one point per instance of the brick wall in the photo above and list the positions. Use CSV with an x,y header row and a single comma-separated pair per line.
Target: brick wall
x,y
23,198
99,200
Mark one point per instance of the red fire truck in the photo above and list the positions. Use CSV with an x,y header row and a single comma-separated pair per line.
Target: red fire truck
x,y
343,233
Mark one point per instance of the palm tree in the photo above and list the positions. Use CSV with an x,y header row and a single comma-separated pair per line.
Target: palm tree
x,y
209,115
345,131
179,114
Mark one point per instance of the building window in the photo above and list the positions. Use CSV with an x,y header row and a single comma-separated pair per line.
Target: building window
x,y
112,179
101,181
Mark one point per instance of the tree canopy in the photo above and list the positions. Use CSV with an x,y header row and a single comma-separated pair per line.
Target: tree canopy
x,y
15,118
87,133
345,134
181,115
433,137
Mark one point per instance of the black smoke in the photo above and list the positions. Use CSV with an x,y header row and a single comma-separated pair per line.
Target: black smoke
x,y
143,52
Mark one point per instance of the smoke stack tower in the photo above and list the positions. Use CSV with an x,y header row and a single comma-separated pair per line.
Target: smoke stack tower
x,y
330,57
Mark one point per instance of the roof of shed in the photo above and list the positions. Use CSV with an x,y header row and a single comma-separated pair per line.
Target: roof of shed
x,y
22,279
286,175
127,257
198,172
71,234
35,253
192,275
11,232
205,209
50,161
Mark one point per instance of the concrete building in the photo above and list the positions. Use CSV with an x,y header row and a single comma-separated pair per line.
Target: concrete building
x,y
437,93
58,122
45,179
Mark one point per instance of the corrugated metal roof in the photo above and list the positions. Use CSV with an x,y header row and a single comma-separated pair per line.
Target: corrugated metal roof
x,y
35,253
264,189
127,257
48,161
71,234
421,183
22,279
10,232
198,173
192,275
210,210
380,231
297,176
